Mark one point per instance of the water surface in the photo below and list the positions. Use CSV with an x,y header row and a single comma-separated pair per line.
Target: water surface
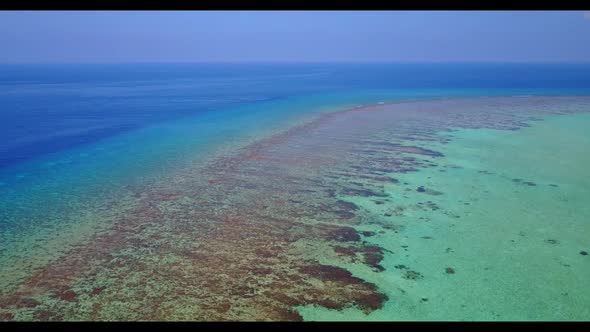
x,y
265,192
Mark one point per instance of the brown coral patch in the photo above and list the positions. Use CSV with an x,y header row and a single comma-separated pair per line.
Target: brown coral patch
x,y
6,316
343,234
372,301
373,256
68,295
345,251
330,273
27,302
97,290
45,315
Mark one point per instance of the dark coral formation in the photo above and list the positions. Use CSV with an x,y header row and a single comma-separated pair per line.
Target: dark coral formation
x,y
343,234
68,295
345,251
97,291
412,275
373,256
348,206
6,316
521,181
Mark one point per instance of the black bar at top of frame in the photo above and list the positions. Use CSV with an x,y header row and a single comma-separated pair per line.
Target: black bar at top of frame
x,y
293,5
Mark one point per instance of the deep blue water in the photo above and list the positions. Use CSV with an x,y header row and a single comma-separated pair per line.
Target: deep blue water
x,y
49,108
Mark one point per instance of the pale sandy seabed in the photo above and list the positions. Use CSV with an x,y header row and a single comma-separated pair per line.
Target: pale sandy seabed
x,y
450,209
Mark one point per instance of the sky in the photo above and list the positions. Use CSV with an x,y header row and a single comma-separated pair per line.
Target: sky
x,y
293,36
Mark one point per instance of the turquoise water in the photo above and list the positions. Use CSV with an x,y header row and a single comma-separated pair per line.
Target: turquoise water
x,y
515,249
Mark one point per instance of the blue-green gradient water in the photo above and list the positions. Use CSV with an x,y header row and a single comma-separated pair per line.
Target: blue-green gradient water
x,y
70,133
75,138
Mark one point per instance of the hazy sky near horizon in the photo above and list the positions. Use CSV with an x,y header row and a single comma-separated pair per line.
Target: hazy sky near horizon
x,y
306,36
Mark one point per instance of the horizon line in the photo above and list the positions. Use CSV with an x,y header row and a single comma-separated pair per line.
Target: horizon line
x,y
295,62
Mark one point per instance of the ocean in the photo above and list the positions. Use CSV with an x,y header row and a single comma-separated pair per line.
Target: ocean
x,y
82,147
